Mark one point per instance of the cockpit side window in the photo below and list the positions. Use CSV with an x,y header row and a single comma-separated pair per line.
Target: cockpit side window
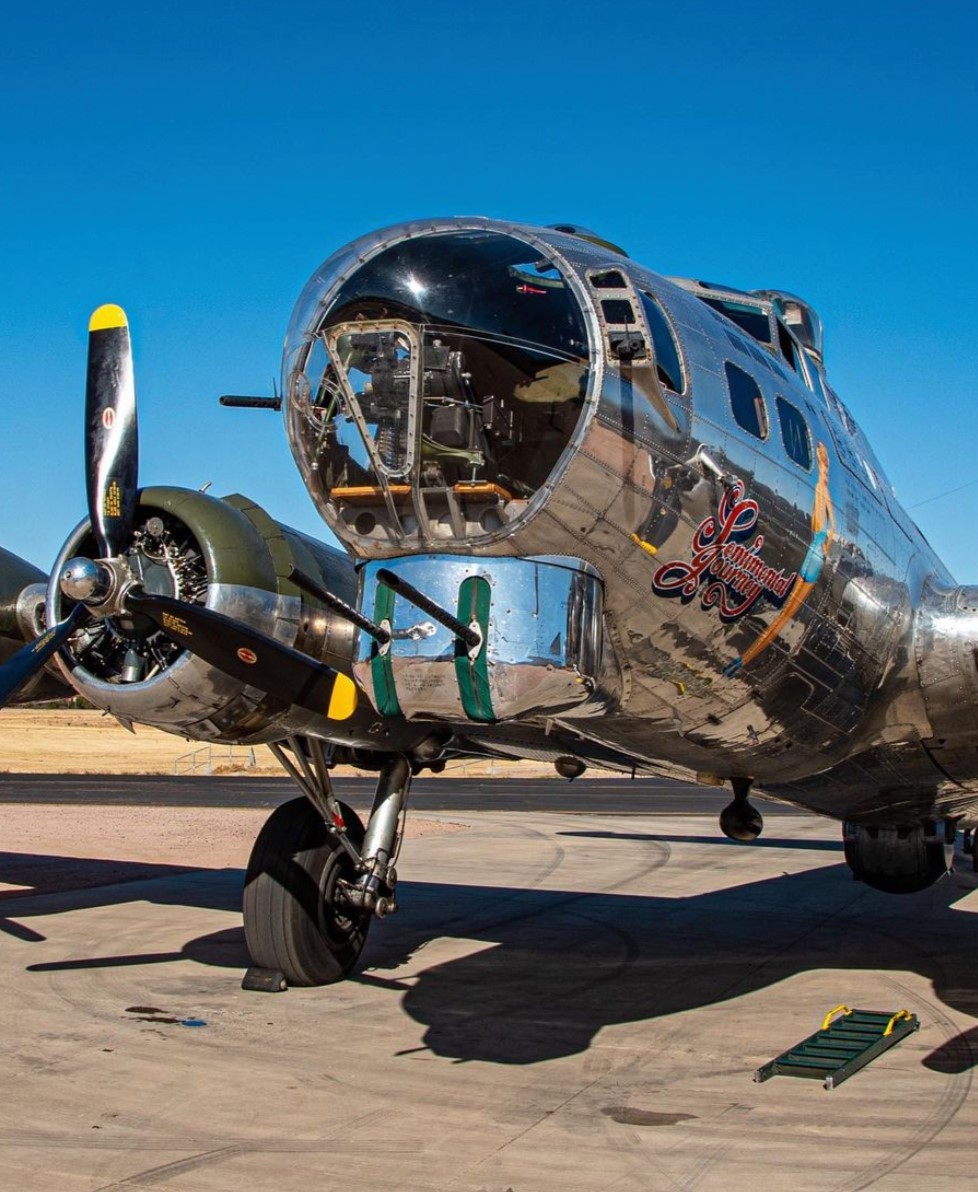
x,y
747,401
787,346
749,317
667,359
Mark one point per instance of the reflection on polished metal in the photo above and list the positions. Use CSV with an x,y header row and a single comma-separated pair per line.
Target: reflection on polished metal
x,y
86,580
539,646
347,611
646,530
472,637
753,602
374,889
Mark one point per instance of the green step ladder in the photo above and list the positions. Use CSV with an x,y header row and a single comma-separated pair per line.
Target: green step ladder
x,y
842,1046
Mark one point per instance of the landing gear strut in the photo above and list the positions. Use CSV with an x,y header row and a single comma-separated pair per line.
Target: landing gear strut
x,y
317,877
740,820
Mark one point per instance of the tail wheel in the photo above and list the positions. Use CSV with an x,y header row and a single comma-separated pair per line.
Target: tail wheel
x,y
295,917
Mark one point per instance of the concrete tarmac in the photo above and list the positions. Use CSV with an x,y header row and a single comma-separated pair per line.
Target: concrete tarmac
x,y
595,795
563,1002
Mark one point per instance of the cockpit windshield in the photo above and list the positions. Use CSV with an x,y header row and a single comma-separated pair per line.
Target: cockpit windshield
x,y
438,387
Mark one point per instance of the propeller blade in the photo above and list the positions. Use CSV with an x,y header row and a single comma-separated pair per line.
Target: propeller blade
x,y
111,441
29,659
250,656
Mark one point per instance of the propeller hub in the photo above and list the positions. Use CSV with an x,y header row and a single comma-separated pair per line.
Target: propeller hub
x,y
87,581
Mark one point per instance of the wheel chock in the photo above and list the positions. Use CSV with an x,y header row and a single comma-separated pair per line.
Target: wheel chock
x,y
263,980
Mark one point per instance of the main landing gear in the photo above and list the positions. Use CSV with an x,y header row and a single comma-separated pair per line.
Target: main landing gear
x,y
317,877
899,858
740,820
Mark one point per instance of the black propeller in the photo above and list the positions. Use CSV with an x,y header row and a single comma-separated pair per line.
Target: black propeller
x,y
246,654
29,659
105,587
111,439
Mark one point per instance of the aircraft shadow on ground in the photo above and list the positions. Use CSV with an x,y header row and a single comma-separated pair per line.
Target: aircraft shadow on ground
x,y
563,965
67,883
830,846
560,965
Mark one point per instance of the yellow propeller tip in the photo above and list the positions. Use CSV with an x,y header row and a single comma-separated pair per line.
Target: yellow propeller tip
x,y
108,316
343,701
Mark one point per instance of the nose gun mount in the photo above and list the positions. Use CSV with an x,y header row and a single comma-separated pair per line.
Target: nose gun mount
x,y
514,637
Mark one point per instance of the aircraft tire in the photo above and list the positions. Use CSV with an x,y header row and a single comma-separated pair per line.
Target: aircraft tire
x,y
895,859
291,921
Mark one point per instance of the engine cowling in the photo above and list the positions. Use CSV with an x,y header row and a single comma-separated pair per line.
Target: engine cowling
x,y
230,556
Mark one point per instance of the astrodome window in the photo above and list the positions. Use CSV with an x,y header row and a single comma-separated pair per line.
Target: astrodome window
x,y
439,388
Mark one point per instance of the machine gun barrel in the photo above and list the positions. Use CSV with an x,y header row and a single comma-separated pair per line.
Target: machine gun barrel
x,y
247,403
464,633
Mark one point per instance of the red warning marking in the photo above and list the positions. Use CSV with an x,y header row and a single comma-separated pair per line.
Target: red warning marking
x,y
524,289
247,655
108,418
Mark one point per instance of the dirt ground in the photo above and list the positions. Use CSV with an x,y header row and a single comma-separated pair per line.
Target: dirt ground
x,y
72,741
48,847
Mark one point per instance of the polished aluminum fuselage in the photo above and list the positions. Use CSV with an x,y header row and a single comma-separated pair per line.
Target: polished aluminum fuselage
x,y
865,703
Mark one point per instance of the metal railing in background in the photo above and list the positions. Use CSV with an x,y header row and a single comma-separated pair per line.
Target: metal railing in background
x,y
206,757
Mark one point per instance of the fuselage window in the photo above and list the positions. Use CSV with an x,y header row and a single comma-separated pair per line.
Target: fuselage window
x,y
794,434
752,319
612,280
617,310
746,401
667,360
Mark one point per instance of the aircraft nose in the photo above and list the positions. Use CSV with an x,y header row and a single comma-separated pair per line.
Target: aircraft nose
x,y
433,388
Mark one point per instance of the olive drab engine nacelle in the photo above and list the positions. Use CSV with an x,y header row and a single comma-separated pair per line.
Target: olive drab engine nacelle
x,y
22,592
230,556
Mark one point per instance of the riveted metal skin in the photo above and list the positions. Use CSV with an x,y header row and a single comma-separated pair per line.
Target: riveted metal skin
x,y
768,609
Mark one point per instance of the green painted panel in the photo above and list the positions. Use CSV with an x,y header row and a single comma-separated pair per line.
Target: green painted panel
x,y
474,601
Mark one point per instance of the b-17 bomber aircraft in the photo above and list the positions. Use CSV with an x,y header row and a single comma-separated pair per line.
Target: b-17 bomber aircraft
x,y
591,515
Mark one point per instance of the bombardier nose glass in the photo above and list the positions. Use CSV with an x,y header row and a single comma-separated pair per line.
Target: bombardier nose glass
x,y
437,394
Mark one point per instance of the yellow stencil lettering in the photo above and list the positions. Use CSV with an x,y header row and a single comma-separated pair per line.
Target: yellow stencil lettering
x,y
175,625
112,506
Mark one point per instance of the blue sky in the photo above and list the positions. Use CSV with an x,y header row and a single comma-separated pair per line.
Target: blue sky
x,y
195,162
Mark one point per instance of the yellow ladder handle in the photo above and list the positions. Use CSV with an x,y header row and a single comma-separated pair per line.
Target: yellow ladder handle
x,y
894,1020
832,1013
